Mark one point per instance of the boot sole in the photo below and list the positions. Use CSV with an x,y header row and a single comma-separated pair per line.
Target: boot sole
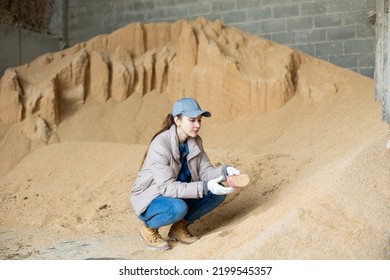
x,y
182,241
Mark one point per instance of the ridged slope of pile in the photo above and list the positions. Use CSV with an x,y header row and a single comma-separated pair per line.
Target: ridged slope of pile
x,y
232,71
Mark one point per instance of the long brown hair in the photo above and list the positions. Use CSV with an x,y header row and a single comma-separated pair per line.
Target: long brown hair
x,y
167,123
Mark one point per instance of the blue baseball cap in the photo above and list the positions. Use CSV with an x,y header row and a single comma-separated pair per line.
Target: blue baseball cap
x,y
189,107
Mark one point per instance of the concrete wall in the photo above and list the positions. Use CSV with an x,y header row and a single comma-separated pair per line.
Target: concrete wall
x,y
334,30
382,56
19,46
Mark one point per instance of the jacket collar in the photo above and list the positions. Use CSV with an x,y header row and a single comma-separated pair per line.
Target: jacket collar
x,y
193,147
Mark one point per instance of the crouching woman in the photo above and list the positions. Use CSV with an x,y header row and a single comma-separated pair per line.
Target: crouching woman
x,y
176,184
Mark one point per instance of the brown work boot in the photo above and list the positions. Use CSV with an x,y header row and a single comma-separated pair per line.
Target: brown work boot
x,y
152,238
179,231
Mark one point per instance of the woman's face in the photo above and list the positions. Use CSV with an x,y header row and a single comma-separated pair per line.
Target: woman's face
x,y
187,126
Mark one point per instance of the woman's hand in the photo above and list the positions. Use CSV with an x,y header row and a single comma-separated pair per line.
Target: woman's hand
x,y
232,171
218,189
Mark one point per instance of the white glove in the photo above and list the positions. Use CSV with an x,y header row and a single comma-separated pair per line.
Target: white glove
x,y
232,171
216,188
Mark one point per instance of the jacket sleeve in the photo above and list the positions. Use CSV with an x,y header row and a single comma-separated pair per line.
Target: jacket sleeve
x,y
164,176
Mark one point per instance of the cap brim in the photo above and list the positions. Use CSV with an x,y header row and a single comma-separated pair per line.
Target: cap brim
x,y
196,113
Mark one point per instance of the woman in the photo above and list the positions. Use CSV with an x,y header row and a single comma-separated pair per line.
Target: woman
x,y
176,183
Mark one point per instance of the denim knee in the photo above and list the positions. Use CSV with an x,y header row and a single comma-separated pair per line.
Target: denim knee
x,y
178,209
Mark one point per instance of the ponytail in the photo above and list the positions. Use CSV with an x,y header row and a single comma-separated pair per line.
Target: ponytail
x,y
167,123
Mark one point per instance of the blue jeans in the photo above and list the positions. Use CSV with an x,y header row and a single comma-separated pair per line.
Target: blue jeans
x,y
164,211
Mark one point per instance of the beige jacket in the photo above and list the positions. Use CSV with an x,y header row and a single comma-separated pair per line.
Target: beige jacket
x,y
161,168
